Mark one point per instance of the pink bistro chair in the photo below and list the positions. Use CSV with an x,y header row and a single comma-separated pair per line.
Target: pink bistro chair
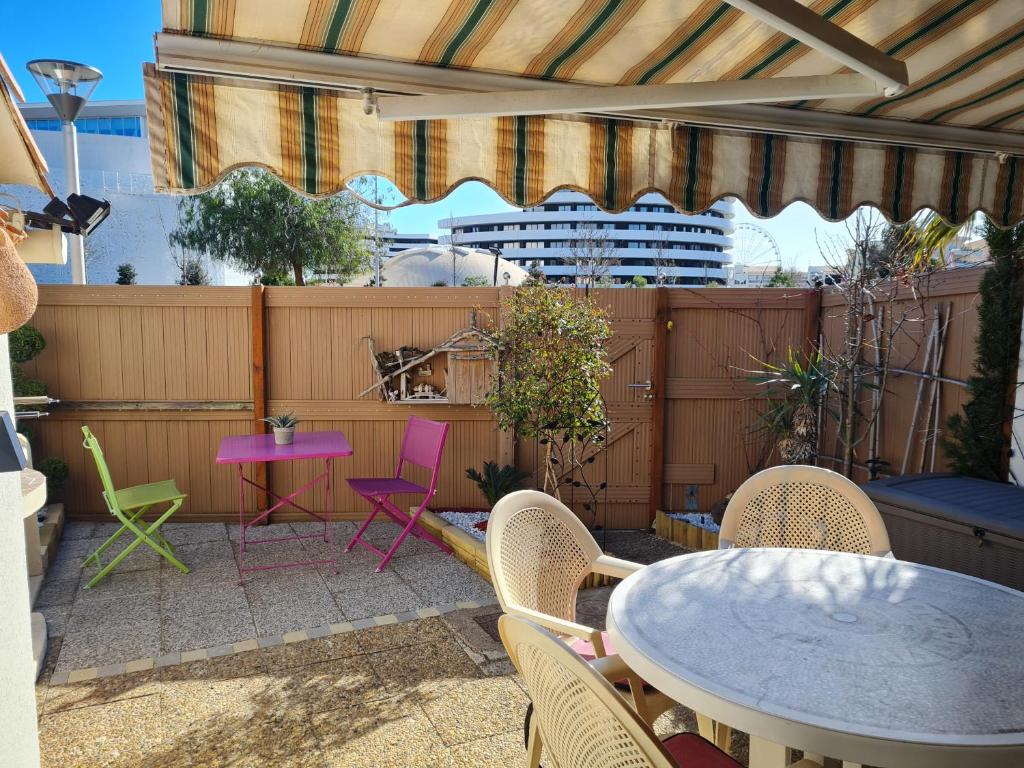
x,y
422,445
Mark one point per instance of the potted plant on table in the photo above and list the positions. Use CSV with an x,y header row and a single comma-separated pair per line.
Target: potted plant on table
x,y
284,427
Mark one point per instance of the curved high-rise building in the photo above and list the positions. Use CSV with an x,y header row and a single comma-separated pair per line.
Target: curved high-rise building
x,y
566,233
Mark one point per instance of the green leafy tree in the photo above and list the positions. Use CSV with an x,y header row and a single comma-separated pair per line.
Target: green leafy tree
x,y
781,279
258,225
551,361
476,281
535,274
126,274
977,443
191,270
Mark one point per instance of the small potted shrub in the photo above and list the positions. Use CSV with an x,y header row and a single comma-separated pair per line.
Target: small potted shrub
x,y
284,427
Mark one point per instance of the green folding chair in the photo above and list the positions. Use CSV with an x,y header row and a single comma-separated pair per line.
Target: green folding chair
x,y
129,505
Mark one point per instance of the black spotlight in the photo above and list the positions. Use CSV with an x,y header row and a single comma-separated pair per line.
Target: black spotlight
x,y
88,212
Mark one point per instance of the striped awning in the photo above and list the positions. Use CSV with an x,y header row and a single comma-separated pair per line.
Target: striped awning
x,y
964,59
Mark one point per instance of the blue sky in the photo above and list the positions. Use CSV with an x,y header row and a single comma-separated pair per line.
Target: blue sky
x,y
117,37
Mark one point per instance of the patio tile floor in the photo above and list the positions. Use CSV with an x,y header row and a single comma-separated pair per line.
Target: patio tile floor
x,y
211,673
146,608
339,700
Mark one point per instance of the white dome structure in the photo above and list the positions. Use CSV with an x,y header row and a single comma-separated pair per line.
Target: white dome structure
x,y
450,265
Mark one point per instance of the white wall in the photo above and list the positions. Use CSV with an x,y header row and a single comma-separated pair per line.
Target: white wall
x,y
117,168
20,743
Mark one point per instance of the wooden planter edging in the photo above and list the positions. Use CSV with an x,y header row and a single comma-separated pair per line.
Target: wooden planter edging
x,y
683,533
474,554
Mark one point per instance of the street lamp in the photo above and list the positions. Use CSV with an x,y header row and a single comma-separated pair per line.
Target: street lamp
x,y
67,86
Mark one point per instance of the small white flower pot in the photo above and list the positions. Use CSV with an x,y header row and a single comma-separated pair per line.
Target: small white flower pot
x,y
284,435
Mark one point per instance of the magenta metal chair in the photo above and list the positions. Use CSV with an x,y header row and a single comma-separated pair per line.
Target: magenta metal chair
x,y
422,445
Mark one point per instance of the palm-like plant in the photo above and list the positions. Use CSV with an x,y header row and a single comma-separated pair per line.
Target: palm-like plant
x,y
929,239
496,482
794,391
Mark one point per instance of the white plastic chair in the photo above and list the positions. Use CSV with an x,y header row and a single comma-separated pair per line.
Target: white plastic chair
x,y
580,719
539,553
804,508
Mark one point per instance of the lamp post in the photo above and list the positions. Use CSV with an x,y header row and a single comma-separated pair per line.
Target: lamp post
x,y
68,85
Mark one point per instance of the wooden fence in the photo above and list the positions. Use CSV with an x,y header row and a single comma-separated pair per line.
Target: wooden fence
x,y
163,374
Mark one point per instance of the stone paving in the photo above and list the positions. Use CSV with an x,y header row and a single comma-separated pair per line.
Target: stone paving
x,y
370,690
146,609
428,693
402,695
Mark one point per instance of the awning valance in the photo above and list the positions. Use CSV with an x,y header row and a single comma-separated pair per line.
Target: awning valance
x,y
258,82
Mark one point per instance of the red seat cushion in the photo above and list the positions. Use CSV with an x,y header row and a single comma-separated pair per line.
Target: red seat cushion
x,y
585,648
689,750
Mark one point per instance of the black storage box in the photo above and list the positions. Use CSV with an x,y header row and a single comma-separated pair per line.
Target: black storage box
x,y
958,523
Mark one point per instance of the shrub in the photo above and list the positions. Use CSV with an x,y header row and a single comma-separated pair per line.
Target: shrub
x,y
126,274
977,444
551,359
25,344
56,471
496,482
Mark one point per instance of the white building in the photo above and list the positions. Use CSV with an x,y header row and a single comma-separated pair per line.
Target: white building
x,y
444,265
113,158
760,276
650,240
395,242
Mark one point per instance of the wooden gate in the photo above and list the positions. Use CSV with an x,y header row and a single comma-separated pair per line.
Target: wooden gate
x,y
713,339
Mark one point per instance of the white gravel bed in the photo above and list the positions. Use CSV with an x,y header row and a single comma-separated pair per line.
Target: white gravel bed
x,y
466,522
700,519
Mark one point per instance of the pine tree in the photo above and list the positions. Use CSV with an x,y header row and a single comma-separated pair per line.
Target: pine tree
x,y
977,444
125,274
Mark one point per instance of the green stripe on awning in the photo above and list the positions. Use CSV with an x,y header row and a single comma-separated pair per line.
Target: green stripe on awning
x,y
680,49
199,14
465,31
987,96
764,189
897,185
520,160
337,23
1011,188
420,144
609,159
183,129
928,28
972,62
789,45
692,167
954,192
310,158
583,38
835,179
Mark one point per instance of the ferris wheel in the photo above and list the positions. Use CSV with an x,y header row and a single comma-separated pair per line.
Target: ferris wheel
x,y
754,246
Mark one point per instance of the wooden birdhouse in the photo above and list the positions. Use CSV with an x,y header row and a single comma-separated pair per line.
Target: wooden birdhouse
x,y
411,375
470,368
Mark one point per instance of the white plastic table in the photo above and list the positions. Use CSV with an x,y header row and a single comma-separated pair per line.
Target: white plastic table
x,y
866,659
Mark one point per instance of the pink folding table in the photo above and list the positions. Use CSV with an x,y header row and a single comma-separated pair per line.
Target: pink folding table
x,y
260,449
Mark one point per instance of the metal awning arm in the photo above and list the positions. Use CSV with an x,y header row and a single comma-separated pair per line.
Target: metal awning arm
x,y
877,75
803,24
